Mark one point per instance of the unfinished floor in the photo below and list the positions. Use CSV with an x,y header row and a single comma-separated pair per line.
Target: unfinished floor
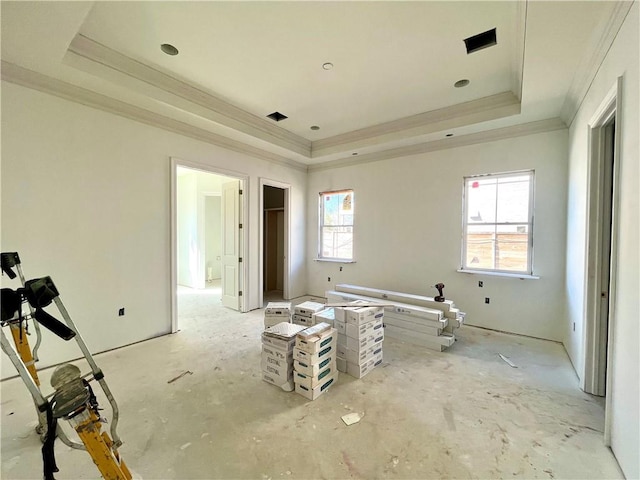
x,y
462,413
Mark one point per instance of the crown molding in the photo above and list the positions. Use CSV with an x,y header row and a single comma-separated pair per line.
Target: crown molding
x,y
182,95
27,78
517,66
484,109
590,63
530,128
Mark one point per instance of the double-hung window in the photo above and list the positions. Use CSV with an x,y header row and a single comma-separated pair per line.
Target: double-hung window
x,y
336,226
498,223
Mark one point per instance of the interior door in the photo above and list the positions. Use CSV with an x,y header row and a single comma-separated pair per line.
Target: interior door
x,y
231,245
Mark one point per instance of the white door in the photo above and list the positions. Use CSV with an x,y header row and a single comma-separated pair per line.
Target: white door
x,y
231,245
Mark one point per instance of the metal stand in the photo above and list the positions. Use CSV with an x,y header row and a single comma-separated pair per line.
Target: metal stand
x,y
73,398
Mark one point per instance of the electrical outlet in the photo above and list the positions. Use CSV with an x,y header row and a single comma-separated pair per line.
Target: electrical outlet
x,y
340,268
486,299
481,284
328,279
121,312
574,326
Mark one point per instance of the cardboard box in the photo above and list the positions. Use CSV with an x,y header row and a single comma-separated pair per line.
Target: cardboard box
x,y
316,357
277,352
283,373
365,341
362,356
341,364
361,370
312,382
342,339
358,316
328,315
282,335
311,369
287,386
307,309
338,314
317,342
271,320
302,320
341,327
359,331
284,363
313,393
278,308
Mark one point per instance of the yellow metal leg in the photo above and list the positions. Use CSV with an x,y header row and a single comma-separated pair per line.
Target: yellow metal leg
x,y
22,347
88,427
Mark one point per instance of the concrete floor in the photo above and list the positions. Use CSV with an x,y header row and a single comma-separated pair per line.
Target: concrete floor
x,y
462,413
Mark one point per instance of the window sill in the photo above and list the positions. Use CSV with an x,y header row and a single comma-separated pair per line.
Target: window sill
x,y
333,260
521,276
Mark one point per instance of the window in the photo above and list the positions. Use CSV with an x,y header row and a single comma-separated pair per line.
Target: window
x,y
336,226
498,222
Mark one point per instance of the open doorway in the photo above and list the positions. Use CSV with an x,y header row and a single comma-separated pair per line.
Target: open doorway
x,y
275,241
602,228
207,243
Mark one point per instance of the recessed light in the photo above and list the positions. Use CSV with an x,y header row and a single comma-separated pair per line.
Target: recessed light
x,y
315,127
449,135
327,66
461,83
169,49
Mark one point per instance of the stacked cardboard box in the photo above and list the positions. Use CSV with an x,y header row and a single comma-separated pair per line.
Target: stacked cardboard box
x,y
314,360
411,318
327,315
360,337
278,342
303,313
277,312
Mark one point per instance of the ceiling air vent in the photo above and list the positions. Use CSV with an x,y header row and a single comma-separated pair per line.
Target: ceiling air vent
x,y
277,116
480,41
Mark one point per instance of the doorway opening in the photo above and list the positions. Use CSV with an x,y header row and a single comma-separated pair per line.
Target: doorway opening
x,y
274,200
207,243
602,228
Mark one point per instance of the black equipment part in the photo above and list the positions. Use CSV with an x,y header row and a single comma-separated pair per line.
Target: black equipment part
x,y
8,260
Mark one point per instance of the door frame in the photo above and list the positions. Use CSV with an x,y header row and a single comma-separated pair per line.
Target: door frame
x,y
244,185
286,270
610,108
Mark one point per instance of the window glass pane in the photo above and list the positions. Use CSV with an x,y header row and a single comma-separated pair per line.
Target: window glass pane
x,y
513,200
480,246
338,208
481,201
337,242
512,250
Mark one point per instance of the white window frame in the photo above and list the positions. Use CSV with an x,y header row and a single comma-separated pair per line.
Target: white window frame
x,y
528,273
321,225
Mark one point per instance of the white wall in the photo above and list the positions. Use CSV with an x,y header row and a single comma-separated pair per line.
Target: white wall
x,y
622,59
86,199
408,225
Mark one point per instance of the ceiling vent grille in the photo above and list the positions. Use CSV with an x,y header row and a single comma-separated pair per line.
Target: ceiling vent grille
x,y
482,40
277,116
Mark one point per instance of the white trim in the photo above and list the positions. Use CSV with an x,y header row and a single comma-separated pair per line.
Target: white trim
x,y
43,83
244,182
286,291
591,61
475,111
333,260
521,276
517,67
531,128
610,106
180,94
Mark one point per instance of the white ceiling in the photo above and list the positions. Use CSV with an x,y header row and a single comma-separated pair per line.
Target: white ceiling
x,y
391,86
